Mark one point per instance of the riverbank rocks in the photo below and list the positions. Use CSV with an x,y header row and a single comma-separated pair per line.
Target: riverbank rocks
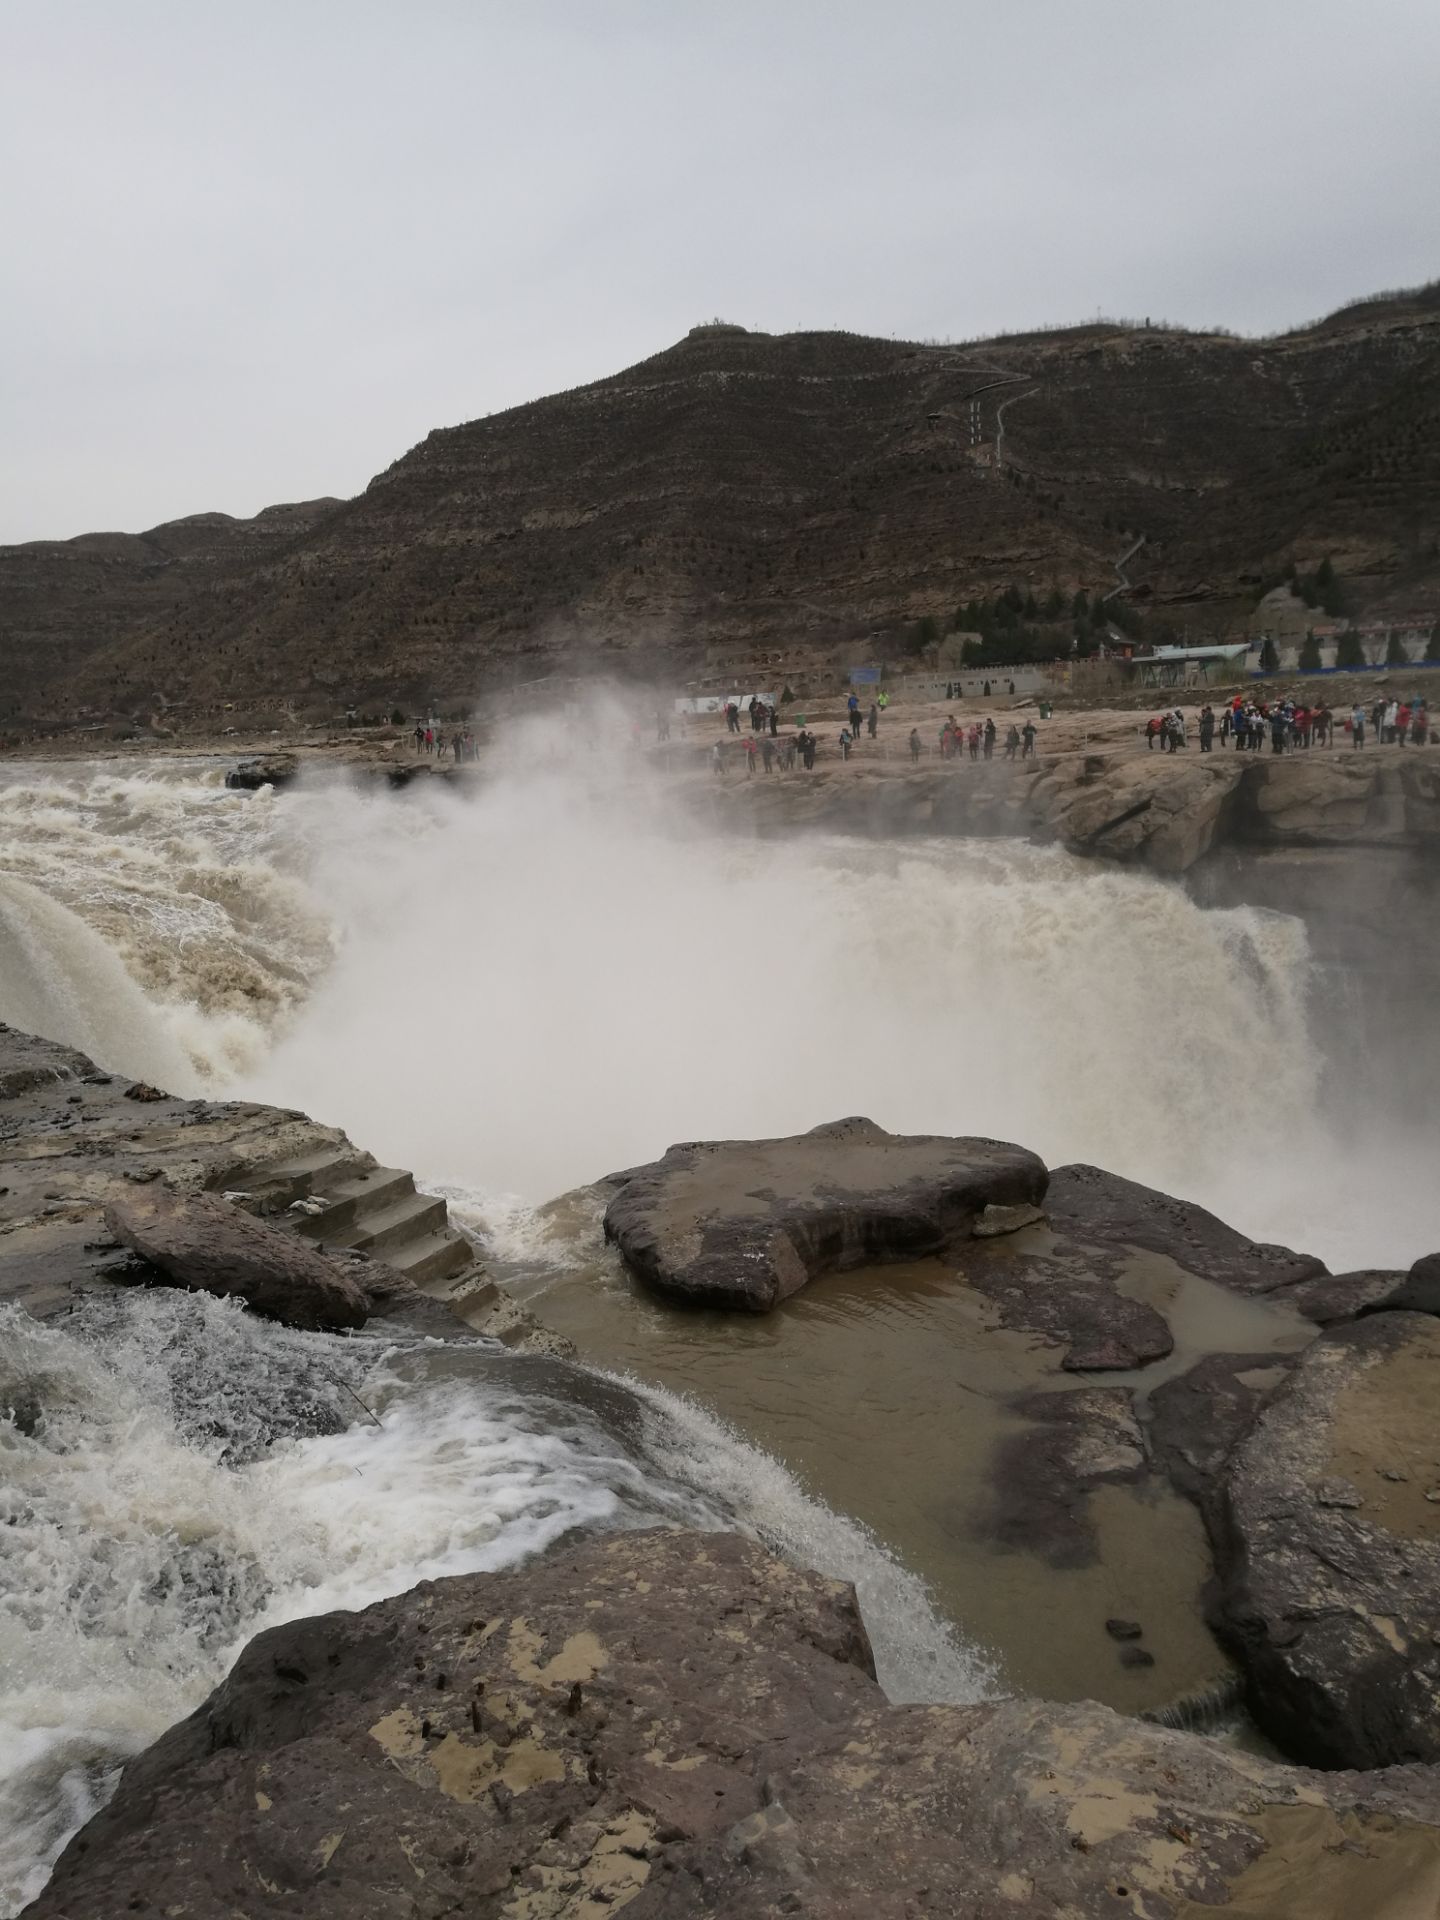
x,y
745,1223
1332,1512
202,1240
1105,1211
677,1724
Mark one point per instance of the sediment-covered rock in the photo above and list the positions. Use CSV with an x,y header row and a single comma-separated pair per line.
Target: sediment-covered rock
x,y
745,1223
1103,1210
1043,1476
75,1141
201,1240
1332,1519
677,1724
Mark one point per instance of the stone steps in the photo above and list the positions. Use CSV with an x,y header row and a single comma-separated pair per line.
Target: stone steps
x,y
342,1210
349,1201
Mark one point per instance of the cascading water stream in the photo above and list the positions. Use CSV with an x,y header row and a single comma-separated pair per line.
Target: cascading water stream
x,y
176,1475
513,994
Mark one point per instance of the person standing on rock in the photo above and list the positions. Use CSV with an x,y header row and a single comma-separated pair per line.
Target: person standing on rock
x,y
915,744
752,754
809,751
1153,726
1357,725
845,743
767,753
419,738
1279,727
990,732
853,708
1012,741
1027,734
1402,722
873,720
1207,729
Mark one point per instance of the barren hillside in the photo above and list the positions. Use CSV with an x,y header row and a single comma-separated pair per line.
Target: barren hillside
x,y
745,493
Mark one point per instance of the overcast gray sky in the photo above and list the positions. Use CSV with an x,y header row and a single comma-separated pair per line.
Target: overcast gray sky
x,y
252,253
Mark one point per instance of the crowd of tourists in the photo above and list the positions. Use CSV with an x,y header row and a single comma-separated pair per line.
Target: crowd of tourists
x,y
770,752
1289,725
431,738
956,739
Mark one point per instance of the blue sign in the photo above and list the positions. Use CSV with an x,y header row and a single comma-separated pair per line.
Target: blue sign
x,y
864,676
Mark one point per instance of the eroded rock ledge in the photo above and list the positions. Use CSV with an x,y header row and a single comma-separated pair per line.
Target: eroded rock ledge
x,y
257,1202
678,1724
746,1223
1324,1522
1332,1522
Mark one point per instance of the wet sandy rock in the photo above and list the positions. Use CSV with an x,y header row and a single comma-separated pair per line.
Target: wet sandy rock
x,y
1332,1508
746,1223
676,1724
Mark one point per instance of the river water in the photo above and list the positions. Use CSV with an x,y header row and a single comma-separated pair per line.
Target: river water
x,y
515,994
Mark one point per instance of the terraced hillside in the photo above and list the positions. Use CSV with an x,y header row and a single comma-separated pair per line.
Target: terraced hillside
x,y
742,494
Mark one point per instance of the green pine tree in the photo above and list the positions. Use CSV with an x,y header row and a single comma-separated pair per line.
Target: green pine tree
x,y
1351,650
1310,654
1395,653
1269,657
1432,645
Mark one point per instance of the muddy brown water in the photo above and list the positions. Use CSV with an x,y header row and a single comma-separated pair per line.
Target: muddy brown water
x,y
887,1391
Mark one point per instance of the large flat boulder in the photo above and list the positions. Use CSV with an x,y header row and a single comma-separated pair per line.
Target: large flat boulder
x,y
746,1223
1332,1519
202,1240
677,1724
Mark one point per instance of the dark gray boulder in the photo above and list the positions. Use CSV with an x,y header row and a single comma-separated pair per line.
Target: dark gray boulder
x,y
1330,1548
1420,1292
202,1240
745,1223
1102,1209
677,1724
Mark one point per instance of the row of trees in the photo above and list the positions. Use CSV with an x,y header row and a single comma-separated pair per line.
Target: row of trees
x,y
1323,588
1350,651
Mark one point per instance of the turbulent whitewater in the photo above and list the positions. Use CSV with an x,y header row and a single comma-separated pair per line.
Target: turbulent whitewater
x,y
176,1476
518,992
513,994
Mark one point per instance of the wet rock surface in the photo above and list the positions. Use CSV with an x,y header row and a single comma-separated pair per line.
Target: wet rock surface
x,y
1104,1211
1043,1476
76,1141
746,1223
1331,1548
678,1724
200,1240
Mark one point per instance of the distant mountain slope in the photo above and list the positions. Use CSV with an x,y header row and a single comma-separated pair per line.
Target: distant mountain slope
x,y
747,492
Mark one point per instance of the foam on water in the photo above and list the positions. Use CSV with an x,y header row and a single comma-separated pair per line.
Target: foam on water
x,y
516,994
524,989
176,1477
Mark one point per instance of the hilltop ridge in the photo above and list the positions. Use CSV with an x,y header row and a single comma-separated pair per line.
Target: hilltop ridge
x,y
740,494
